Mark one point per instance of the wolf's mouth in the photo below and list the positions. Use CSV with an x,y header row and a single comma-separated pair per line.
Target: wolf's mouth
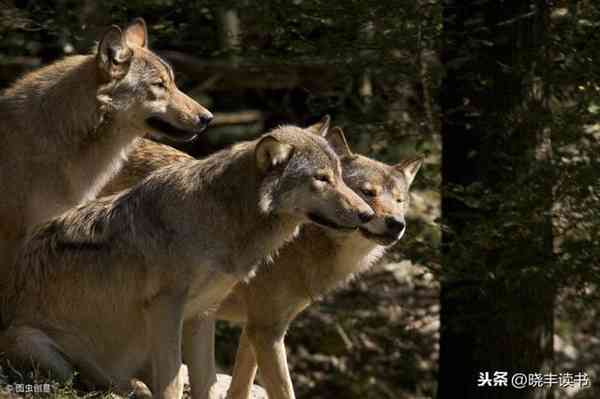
x,y
172,132
381,239
322,221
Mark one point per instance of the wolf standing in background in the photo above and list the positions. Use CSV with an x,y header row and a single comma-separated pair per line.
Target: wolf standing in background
x,y
66,127
162,254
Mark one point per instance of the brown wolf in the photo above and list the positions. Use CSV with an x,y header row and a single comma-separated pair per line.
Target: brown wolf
x,y
145,156
316,262
66,127
97,288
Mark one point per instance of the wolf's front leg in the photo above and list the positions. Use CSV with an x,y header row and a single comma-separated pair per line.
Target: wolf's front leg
x,y
199,355
164,322
244,370
269,349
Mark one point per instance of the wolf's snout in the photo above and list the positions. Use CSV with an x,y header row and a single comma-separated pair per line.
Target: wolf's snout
x,y
366,216
203,121
395,226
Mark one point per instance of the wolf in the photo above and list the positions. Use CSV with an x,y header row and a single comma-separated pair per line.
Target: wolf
x,y
318,261
66,128
97,289
307,268
145,157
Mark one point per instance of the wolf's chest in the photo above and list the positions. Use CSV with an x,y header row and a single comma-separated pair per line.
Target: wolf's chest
x,y
206,291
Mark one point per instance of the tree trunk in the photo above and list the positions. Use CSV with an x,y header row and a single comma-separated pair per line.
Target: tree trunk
x,y
230,33
496,299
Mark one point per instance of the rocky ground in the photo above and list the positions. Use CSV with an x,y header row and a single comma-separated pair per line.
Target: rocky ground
x,y
577,344
376,337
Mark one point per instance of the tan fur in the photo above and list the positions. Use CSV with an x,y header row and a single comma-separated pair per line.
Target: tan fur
x,y
318,261
307,268
145,157
66,128
114,287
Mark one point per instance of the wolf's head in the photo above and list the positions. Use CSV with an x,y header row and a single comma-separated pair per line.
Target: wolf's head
x,y
140,86
302,177
385,188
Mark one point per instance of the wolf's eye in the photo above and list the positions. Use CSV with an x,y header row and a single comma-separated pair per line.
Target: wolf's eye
x,y
369,192
160,84
323,178
399,200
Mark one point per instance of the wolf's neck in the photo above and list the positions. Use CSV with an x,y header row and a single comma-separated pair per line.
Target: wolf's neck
x,y
255,235
224,214
347,255
73,132
62,98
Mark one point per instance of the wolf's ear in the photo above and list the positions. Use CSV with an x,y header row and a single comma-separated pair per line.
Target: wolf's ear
x,y
409,168
336,139
114,55
271,153
321,127
136,33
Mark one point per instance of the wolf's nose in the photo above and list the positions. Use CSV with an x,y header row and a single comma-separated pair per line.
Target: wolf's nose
x,y
395,226
203,121
366,216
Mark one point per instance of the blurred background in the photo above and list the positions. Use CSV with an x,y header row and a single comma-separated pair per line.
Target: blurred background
x,y
507,91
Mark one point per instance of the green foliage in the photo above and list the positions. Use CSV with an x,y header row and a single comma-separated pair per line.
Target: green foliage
x,y
371,64
511,202
522,207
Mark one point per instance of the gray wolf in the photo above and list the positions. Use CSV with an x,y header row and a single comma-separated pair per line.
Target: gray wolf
x,y
66,128
114,287
307,268
318,261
